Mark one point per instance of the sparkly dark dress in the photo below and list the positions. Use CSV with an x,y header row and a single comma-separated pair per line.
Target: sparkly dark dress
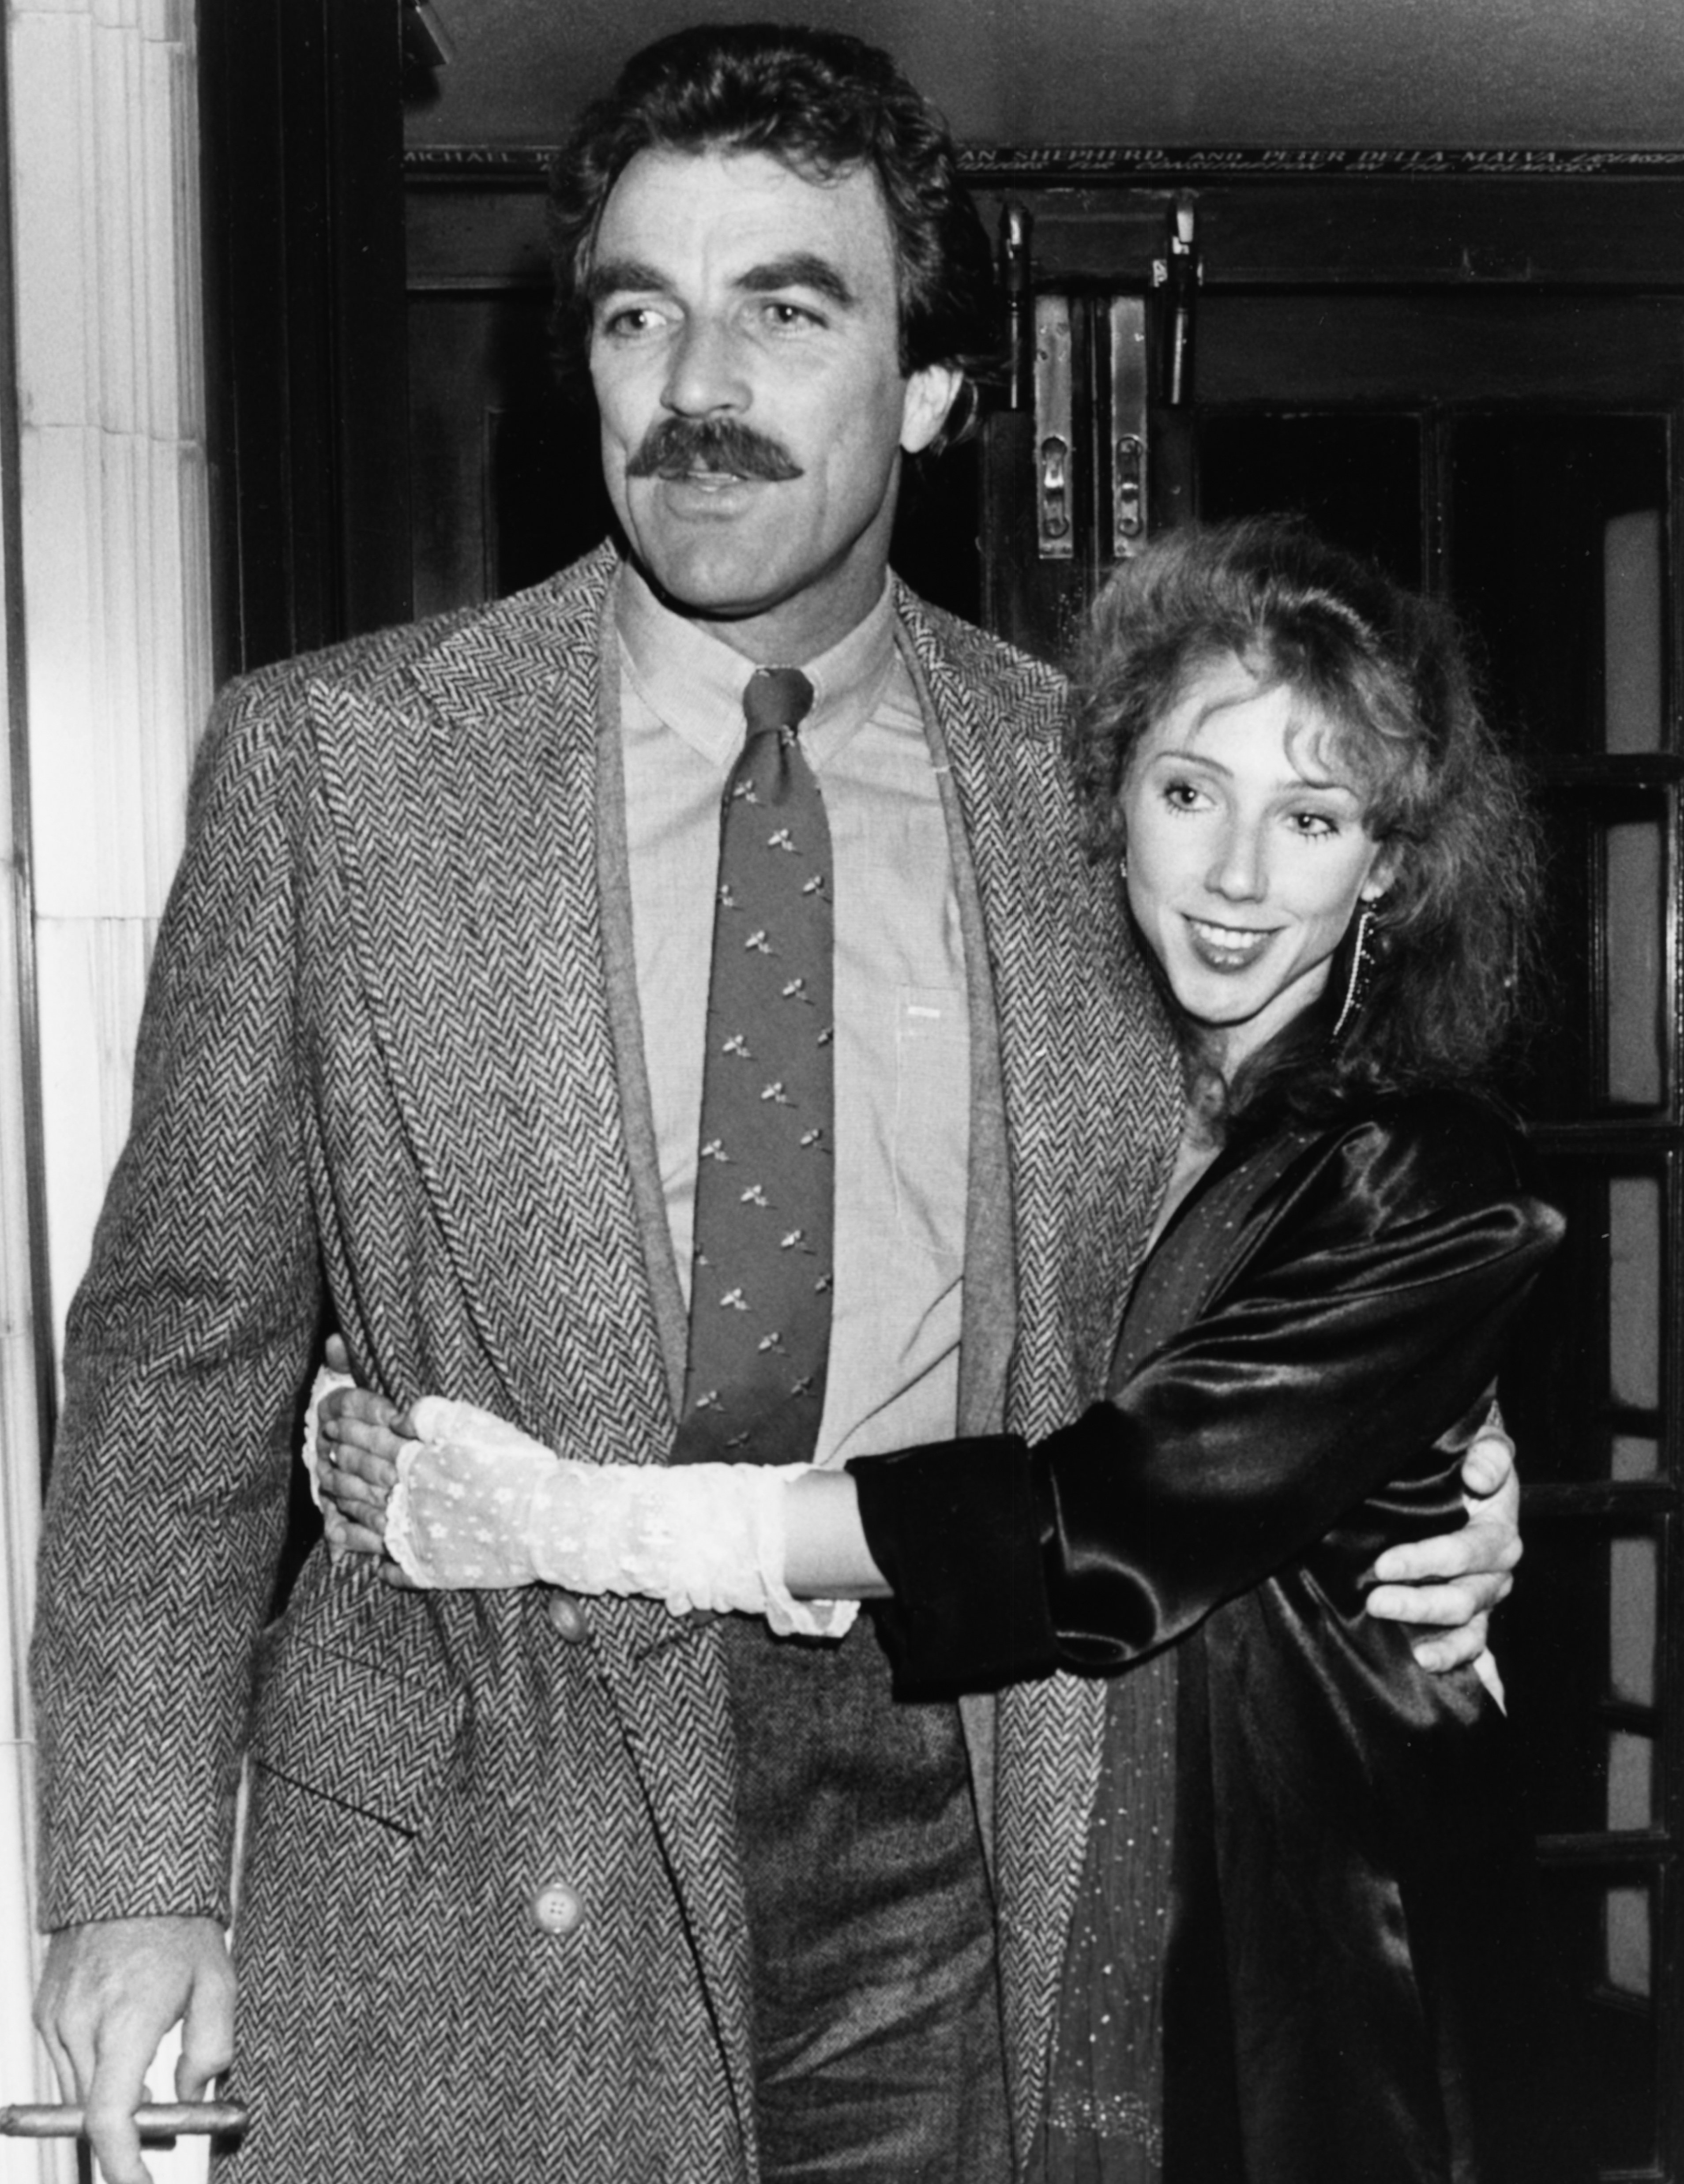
x,y
1301,1951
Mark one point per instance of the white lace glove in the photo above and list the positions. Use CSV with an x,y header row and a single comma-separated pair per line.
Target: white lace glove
x,y
480,1504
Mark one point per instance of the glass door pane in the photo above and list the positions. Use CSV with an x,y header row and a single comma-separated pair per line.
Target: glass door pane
x,y
1557,560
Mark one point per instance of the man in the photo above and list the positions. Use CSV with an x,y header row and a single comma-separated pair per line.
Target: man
x,y
533,1889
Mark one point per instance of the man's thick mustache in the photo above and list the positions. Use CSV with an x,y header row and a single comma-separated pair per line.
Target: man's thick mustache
x,y
679,447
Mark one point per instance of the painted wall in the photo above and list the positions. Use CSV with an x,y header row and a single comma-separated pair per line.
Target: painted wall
x,y
1560,74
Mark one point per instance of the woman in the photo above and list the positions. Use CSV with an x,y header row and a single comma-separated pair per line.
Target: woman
x,y
1299,1949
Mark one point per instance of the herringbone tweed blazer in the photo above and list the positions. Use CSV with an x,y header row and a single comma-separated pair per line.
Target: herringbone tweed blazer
x,y
377,1086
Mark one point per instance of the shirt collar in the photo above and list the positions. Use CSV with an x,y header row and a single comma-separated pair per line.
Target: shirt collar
x,y
694,684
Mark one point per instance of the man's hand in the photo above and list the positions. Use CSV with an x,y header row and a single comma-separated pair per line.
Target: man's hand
x,y
360,1436
355,1464
1453,1582
109,1993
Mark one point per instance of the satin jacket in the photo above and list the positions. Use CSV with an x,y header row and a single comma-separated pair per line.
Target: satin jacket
x,y
1306,1355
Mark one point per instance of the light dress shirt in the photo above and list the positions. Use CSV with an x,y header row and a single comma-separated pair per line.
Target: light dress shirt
x,y
902,1111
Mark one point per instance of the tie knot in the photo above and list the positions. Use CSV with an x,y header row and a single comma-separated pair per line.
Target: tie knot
x,y
776,698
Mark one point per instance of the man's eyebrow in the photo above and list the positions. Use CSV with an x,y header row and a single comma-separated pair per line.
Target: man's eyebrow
x,y
614,277
801,268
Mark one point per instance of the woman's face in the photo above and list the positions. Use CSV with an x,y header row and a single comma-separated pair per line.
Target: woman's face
x,y
1247,855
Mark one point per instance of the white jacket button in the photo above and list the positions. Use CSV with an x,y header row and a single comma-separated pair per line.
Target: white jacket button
x,y
556,1908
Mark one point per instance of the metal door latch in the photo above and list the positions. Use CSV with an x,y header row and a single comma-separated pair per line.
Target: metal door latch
x,y
1180,273
1054,482
1126,329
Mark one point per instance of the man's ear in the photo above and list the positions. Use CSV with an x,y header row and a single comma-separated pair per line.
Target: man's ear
x,y
930,395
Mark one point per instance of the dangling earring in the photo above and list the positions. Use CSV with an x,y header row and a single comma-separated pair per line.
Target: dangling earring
x,y
1364,958
1123,863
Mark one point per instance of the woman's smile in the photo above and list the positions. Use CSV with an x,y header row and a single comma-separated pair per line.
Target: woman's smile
x,y
1228,947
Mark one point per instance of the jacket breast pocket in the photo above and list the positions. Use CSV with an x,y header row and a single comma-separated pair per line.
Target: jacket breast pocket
x,y
932,1117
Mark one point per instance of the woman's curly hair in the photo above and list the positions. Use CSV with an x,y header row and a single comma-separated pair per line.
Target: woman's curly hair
x,y
825,104
1382,674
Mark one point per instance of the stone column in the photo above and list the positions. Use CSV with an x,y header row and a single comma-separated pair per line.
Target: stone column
x,y
115,576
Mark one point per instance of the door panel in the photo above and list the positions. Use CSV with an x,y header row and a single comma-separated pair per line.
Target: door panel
x,y
1408,350
1357,476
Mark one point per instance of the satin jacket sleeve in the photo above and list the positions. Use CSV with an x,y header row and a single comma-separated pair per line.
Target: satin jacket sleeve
x,y
1316,1406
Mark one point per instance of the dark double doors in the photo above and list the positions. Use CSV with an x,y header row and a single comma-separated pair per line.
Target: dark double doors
x,y
1480,381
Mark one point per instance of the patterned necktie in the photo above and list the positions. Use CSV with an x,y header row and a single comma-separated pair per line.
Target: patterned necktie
x,y
761,1276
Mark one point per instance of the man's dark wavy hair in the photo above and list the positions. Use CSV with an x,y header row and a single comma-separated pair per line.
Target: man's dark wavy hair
x,y
1382,674
826,105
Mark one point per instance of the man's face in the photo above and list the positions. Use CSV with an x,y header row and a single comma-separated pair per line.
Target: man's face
x,y
744,351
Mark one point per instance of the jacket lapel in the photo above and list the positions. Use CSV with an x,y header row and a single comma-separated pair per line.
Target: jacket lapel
x,y
1089,1078
625,1011
989,1306
464,792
